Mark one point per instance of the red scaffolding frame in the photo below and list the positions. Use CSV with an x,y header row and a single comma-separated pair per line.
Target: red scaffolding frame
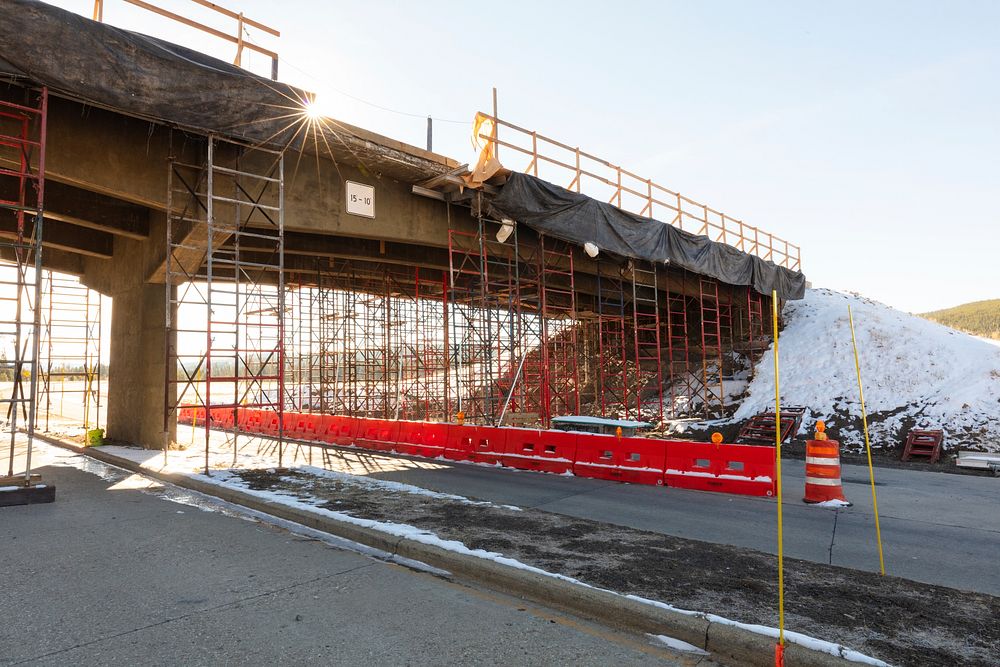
x,y
612,344
713,396
23,138
559,333
427,381
646,340
225,271
757,305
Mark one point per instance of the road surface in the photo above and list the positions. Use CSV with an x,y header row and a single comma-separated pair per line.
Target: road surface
x,y
113,574
937,528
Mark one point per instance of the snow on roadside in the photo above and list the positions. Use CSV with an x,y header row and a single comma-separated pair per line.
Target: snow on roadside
x,y
182,463
916,373
186,461
406,531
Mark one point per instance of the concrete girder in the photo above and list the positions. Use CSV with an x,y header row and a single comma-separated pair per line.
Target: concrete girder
x,y
126,158
83,208
63,236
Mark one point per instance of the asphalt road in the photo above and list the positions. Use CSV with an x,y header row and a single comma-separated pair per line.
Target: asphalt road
x,y
936,528
114,574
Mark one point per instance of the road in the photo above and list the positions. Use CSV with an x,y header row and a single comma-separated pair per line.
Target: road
x,y
116,573
936,528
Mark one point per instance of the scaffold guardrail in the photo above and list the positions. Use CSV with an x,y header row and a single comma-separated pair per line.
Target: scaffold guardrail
x,y
589,174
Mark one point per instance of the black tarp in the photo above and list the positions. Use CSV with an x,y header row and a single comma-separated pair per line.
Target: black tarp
x,y
140,75
577,218
155,80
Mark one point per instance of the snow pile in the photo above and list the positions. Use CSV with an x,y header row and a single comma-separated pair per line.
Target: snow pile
x,y
916,373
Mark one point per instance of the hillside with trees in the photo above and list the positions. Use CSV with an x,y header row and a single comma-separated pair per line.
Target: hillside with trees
x,y
981,318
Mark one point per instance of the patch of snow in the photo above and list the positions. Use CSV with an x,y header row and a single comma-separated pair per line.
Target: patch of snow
x,y
676,644
599,421
711,475
833,504
820,645
916,373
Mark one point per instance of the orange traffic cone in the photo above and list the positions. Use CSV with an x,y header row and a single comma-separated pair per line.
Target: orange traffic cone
x,y
823,469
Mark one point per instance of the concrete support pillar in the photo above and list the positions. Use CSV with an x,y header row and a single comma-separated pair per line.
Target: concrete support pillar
x,y
136,381
136,370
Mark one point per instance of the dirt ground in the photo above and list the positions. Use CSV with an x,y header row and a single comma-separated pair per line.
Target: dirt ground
x,y
897,620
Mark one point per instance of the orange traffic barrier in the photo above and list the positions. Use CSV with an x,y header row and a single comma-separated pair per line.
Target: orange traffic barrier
x,y
823,471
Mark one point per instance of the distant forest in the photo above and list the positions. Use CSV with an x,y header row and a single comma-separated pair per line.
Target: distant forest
x,y
981,318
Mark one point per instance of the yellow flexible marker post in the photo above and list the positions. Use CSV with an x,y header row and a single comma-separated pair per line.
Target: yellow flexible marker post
x,y
868,446
779,650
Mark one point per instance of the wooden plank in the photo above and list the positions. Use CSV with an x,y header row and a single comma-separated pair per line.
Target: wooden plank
x,y
201,26
233,15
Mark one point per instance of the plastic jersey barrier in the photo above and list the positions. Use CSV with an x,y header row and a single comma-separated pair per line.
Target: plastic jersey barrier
x,y
459,442
435,438
488,444
270,422
378,434
546,451
635,460
347,429
303,426
740,469
641,460
253,421
422,439
597,456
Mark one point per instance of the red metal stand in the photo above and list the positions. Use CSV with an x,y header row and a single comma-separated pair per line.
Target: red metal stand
x,y
923,444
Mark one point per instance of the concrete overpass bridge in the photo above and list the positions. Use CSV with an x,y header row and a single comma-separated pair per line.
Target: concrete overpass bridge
x,y
257,255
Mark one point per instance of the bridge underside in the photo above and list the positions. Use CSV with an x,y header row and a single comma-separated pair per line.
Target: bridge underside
x,y
239,277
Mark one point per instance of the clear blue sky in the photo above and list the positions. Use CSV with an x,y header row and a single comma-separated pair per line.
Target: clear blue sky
x,y
866,132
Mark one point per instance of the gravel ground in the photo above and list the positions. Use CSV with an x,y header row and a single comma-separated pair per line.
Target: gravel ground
x,y
900,621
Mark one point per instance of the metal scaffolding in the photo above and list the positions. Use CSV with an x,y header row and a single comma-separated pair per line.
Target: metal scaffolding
x,y
614,388
683,382
70,353
646,332
22,184
713,393
504,336
225,287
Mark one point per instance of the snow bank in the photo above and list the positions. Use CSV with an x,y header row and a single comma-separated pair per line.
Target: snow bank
x,y
916,373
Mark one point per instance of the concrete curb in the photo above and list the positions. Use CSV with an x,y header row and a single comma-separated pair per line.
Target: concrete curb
x,y
726,643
